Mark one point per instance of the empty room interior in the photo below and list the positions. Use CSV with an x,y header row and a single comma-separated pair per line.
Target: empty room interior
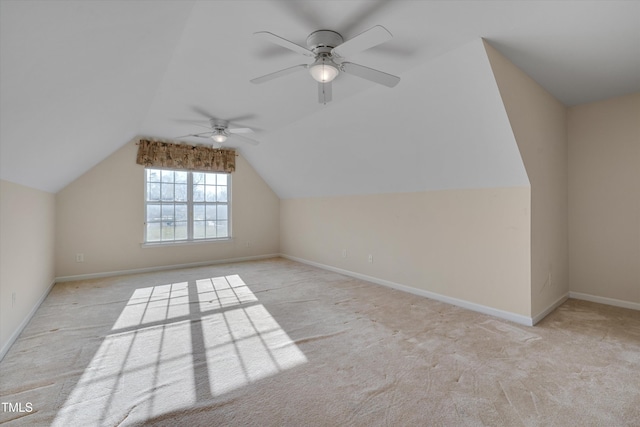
x,y
319,213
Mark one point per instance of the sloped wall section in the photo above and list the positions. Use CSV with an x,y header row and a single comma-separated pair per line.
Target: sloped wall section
x,y
442,208
538,121
451,133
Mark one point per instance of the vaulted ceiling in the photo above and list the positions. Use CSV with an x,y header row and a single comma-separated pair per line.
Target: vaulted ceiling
x,y
78,80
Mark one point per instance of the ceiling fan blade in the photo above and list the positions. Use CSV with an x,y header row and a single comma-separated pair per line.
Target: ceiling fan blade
x,y
363,41
245,139
239,130
325,92
265,35
370,74
198,135
276,74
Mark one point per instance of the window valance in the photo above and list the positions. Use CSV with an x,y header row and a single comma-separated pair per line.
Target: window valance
x,y
188,157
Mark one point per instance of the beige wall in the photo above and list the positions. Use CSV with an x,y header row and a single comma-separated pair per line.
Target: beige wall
x,y
27,220
538,122
471,245
604,198
101,215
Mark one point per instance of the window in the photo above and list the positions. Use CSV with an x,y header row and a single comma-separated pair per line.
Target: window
x,y
186,206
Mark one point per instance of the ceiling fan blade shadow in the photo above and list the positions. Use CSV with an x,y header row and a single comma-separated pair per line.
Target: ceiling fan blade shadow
x,y
395,50
356,20
277,74
270,37
241,118
201,111
325,92
370,74
372,37
244,139
240,130
303,12
199,123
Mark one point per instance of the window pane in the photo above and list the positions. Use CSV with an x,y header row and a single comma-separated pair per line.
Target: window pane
x,y
181,177
153,213
167,214
198,178
222,194
211,193
153,232
181,192
211,229
167,231
211,179
198,193
198,212
167,176
211,212
222,179
153,192
222,228
153,175
221,212
198,230
167,192
181,213
181,232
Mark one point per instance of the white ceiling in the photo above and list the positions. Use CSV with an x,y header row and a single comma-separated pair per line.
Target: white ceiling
x,y
80,79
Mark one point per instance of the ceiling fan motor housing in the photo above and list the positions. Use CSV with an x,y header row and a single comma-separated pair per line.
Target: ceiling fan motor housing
x,y
322,41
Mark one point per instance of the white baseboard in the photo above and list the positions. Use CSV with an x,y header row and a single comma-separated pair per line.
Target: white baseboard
x,y
506,315
161,268
544,313
604,300
14,336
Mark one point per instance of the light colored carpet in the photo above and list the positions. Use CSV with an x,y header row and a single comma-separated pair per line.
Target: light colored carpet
x,y
274,342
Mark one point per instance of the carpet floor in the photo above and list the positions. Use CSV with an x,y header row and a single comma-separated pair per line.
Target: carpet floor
x,y
278,343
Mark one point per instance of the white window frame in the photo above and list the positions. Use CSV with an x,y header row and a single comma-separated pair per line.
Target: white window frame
x,y
190,203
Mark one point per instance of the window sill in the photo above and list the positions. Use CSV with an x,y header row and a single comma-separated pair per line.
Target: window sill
x,y
184,243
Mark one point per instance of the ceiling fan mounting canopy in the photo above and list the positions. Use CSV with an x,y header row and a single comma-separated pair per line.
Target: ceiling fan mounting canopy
x,y
323,41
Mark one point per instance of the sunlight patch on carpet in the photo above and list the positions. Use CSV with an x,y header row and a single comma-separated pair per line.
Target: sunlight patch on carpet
x,y
176,344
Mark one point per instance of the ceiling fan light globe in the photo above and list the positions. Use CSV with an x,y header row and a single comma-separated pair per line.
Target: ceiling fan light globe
x,y
219,137
323,71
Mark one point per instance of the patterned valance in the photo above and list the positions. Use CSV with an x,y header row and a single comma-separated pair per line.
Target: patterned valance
x,y
188,157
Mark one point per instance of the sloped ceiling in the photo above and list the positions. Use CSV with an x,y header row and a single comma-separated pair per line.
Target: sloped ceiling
x,y
80,79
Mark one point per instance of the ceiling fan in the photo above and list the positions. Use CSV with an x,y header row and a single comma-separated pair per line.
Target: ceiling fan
x,y
220,131
329,50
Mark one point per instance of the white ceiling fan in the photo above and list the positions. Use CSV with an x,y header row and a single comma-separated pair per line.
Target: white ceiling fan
x,y
220,131
329,51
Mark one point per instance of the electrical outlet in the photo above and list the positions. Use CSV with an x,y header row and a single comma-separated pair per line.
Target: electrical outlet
x,y
79,257
370,258
13,299
344,253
